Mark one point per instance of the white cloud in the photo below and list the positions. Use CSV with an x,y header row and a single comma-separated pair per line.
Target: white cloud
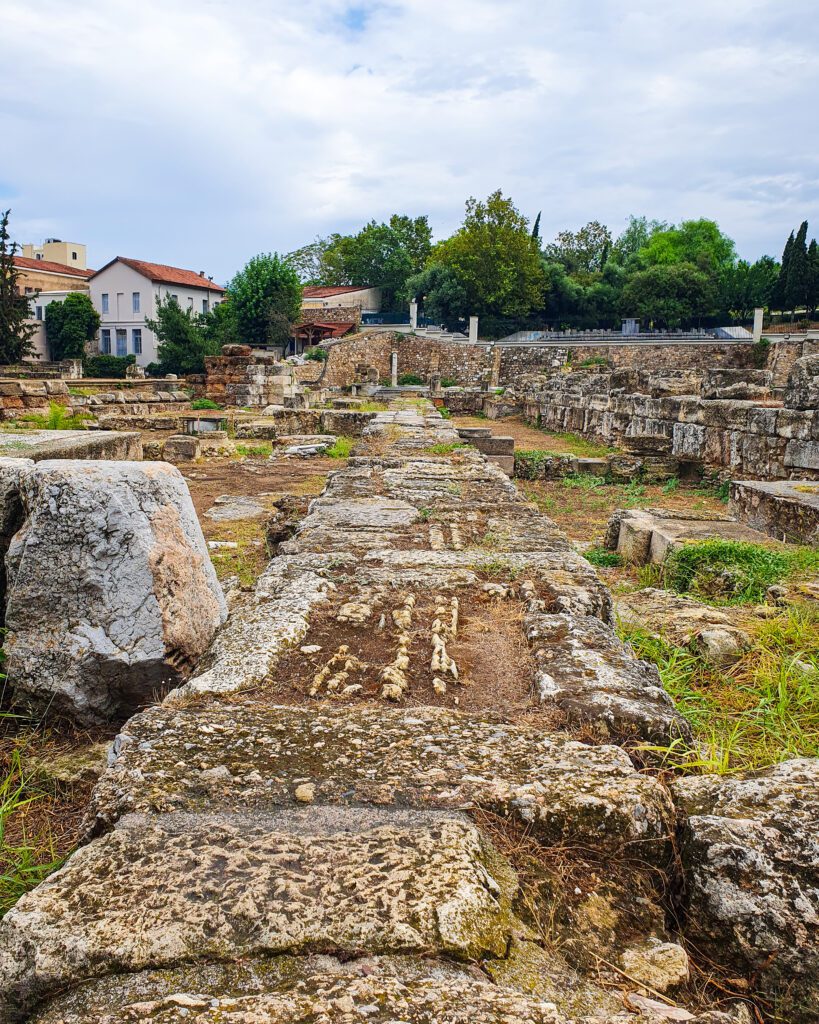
x,y
201,132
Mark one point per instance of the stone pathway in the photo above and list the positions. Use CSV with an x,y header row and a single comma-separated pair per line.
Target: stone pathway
x,y
321,825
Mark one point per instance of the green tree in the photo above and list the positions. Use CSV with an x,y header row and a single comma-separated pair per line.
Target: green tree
x,y
581,252
440,294
220,325
779,295
268,284
16,328
813,278
636,236
669,294
495,259
699,242
798,280
749,285
183,338
70,325
308,261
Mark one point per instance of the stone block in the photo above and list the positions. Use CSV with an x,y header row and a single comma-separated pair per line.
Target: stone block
x,y
181,448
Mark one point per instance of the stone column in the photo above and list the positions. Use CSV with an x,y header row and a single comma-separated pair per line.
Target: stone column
x,y
435,383
394,369
757,324
413,314
473,329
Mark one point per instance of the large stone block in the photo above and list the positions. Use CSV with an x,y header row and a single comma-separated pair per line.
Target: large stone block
x,y
111,593
802,391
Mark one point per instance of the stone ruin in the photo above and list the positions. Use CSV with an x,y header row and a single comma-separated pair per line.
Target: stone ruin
x,y
326,821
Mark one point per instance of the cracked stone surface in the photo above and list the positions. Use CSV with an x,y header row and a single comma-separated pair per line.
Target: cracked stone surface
x,y
162,890
192,758
111,593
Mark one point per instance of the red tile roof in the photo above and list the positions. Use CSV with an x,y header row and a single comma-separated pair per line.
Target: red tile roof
x,y
334,330
162,274
320,292
47,267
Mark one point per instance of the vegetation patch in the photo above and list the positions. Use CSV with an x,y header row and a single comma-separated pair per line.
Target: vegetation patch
x,y
448,448
732,572
407,379
262,450
59,418
342,448
762,710
603,557
575,444
204,403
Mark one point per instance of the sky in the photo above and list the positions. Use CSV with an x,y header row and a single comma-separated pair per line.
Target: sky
x,y
200,132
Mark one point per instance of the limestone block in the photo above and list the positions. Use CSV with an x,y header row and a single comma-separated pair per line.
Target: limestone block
x,y
111,594
751,860
181,448
802,391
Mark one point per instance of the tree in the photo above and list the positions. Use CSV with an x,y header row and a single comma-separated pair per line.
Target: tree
x,y
220,325
308,262
581,252
780,291
536,228
813,278
495,259
268,284
440,294
70,325
749,285
797,282
16,328
669,294
699,242
636,236
183,337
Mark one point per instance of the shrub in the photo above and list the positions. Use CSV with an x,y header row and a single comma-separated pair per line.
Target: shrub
x,y
595,361
760,353
341,449
59,418
409,379
317,354
107,366
600,556
204,403
448,382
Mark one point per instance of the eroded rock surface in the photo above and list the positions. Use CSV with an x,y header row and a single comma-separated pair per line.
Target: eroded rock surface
x,y
111,593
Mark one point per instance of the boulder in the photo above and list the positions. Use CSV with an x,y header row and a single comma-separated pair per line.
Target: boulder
x,y
750,854
111,594
802,391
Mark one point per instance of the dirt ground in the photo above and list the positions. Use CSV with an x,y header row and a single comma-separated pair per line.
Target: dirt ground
x,y
528,437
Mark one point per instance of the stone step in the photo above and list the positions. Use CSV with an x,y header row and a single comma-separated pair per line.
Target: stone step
x,y
242,756
163,890
287,990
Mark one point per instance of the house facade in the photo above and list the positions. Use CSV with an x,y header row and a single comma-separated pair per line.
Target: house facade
x,y
126,292
43,278
366,299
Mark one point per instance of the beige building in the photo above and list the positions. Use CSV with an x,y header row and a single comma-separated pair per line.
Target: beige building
x,y
368,300
54,250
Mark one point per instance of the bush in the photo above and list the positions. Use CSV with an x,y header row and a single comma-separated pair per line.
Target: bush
x,y
600,556
317,354
204,403
341,449
107,366
595,361
409,379
760,353
448,382
734,572
59,417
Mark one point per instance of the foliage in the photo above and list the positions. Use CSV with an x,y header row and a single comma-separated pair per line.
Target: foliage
x,y
70,325
748,285
407,379
317,354
59,417
263,295
583,251
635,236
441,295
448,382
669,294
204,403
183,338
733,572
107,366
16,330
220,325
760,351
603,557
308,261
495,259
341,449
263,450
595,361
763,710
698,242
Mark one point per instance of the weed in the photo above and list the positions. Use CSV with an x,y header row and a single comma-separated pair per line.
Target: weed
x,y
583,482
341,449
496,568
671,486
595,361
575,444
370,406
445,413
603,557
59,418
410,379
259,451
448,382
204,403
447,449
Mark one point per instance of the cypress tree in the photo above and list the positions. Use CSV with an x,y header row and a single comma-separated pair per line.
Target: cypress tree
x,y
796,286
536,229
15,314
778,294
812,295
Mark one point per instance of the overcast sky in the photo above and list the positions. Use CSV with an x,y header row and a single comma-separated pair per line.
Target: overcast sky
x,y
199,132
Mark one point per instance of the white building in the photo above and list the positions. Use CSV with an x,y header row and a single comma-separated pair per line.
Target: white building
x,y
125,292
367,299
38,307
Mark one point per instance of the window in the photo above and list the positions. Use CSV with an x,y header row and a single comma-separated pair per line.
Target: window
x,y
135,302
29,291
122,341
38,256
175,299
190,302
204,305
73,255
38,312
136,341
105,341
104,298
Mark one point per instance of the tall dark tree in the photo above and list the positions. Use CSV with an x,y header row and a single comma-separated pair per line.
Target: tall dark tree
x,y
778,296
796,286
536,228
813,278
16,327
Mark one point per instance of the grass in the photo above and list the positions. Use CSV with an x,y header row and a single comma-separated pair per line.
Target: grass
x,y
762,710
733,572
447,449
342,448
370,406
603,557
204,403
575,444
262,450
59,418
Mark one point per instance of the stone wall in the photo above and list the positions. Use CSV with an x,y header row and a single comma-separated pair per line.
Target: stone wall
x,y
247,377
331,315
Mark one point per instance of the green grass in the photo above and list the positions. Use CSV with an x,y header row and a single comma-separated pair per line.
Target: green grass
x,y
261,450
204,403
447,449
762,710
370,406
733,572
59,418
342,448
603,557
581,446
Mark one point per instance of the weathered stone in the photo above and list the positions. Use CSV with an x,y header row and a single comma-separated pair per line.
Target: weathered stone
x,y
659,965
111,594
426,757
181,448
785,509
163,891
750,853
802,391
